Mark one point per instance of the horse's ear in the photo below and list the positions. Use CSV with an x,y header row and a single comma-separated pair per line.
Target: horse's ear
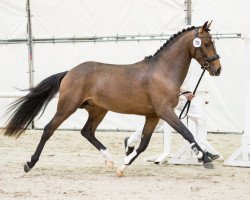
x,y
204,27
208,26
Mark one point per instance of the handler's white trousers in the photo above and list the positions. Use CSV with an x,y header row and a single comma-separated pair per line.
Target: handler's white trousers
x,y
195,114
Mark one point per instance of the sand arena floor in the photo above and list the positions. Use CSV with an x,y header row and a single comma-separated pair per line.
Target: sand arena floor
x,y
71,168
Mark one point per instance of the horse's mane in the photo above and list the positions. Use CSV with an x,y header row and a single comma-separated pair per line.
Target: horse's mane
x,y
166,44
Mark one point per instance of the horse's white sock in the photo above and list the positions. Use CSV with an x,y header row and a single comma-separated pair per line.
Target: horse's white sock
x,y
198,153
123,167
128,158
106,154
135,138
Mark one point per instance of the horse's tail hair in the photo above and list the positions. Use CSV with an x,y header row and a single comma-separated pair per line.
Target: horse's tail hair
x,y
28,107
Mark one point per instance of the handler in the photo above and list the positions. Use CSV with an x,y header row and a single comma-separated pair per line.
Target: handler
x,y
196,114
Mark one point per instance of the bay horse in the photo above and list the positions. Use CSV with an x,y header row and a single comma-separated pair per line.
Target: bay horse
x,y
150,88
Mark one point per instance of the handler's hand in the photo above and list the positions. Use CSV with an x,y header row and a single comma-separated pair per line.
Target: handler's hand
x,y
189,96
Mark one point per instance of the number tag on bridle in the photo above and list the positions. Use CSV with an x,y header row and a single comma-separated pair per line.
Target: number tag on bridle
x,y
197,42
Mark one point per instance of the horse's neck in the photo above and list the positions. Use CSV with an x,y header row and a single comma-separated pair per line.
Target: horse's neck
x,y
175,60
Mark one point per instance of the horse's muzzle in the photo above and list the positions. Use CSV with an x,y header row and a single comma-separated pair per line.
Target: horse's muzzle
x,y
217,72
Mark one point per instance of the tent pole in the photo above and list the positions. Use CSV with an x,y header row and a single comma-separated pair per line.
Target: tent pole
x,y
188,12
30,50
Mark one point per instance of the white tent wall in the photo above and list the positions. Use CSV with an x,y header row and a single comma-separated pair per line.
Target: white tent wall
x,y
13,62
226,92
14,68
227,14
13,19
82,18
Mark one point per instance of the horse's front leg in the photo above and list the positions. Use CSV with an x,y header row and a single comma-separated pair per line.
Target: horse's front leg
x,y
148,129
171,118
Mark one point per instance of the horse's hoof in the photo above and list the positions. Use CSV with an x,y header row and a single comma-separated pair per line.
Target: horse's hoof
x,y
110,164
26,167
119,172
208,165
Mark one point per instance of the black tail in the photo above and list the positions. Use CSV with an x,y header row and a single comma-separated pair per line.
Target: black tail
x,y
27,108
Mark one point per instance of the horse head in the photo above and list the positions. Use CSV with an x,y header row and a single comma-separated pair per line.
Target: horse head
x,y
204,50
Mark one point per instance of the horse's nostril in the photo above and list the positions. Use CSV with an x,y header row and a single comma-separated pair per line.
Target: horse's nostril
x,y
218,71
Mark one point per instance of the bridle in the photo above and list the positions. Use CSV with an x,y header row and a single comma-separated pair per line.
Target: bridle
x,y
205,65
207,60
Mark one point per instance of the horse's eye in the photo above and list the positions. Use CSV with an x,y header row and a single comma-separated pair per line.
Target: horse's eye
x,y
207,45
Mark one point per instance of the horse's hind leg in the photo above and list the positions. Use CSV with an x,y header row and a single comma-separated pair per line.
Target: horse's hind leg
x,y
96,115
148,129
66,106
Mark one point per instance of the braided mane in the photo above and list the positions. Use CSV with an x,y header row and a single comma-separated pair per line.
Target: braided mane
x,y
166,44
